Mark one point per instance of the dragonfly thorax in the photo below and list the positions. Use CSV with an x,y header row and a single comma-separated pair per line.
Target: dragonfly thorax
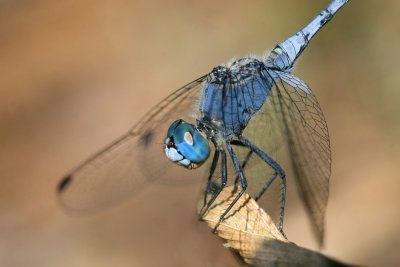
x,y
233,93
235,72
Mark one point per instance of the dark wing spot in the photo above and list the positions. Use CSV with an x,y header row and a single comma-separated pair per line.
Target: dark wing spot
x,y
147,137
64,183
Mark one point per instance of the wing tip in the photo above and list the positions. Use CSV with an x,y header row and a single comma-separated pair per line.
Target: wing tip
x,y
63,185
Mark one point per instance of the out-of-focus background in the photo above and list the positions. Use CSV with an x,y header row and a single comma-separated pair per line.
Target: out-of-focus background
x,y
74,75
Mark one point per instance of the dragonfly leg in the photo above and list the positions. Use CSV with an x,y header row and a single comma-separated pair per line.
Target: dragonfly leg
x,y
243,183
267,159
212,170
266,186
223,180
245,161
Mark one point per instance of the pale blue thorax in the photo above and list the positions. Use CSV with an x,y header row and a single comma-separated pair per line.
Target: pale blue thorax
x,y
233,94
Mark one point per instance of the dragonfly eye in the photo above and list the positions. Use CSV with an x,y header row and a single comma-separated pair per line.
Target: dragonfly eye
x,y
185,145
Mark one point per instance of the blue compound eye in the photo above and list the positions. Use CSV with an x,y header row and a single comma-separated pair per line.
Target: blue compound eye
x,y
185,145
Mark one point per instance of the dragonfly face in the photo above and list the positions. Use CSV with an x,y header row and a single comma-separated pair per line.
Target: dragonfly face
x,y
185,145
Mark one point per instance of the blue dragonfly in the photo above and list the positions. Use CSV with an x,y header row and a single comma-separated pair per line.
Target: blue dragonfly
x,y
237,113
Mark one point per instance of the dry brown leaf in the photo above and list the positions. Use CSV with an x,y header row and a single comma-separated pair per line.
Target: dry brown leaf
x,y
250,231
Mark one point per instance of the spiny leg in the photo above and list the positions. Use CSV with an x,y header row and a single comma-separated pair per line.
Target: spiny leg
x,y
267,159
266,186
245,161
243,183
212,170
223,181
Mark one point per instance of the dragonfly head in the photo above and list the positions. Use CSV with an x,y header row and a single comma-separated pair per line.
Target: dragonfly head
x,y
185,145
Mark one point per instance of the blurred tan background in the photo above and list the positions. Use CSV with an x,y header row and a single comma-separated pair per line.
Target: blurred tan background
x,y
74,75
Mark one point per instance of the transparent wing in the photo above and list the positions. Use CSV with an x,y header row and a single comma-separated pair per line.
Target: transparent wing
x,y
291,123
309,145
133,161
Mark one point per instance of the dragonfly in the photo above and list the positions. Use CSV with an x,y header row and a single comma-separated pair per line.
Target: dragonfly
x,y
235,115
